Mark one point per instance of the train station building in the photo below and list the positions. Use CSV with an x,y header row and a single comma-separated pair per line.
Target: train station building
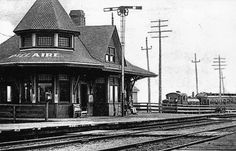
x,y
54,57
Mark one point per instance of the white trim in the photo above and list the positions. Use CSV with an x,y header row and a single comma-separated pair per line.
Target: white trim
x,y
56,39
46,49
33,40
72,41
48,62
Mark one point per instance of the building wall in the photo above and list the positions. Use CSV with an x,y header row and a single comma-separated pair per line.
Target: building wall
x,y
92,92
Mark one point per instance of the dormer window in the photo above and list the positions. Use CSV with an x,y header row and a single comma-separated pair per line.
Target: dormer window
x,y
44,40
65,41
110,56
26,40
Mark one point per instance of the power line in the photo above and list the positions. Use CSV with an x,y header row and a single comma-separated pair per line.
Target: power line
x,y
159,32
5,35
219,63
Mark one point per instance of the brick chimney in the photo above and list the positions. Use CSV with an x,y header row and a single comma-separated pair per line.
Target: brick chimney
x,y
78,17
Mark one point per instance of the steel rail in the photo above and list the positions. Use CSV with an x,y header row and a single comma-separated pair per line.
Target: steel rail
x,y
81,140
133,145
197,142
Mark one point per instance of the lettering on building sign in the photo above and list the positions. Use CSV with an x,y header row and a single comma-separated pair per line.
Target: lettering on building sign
x,y
36,55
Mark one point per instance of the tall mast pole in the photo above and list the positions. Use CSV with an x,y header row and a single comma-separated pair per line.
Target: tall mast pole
x,y
148,68
160,63
195,62
219,77
219,63
223,86
112,19
159,32
122,11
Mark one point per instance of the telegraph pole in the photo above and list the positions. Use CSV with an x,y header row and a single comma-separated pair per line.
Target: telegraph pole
x,y
122,11
219,63
149,87
222,78
112,19
195,61
159,32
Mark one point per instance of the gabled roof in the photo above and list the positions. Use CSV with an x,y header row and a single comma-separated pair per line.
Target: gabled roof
x,y
96,40
46,15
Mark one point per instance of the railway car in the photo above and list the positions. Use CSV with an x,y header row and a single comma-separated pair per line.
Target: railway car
x,y
214,98
169,105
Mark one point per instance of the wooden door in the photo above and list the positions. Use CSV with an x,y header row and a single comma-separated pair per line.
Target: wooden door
x,y
100,105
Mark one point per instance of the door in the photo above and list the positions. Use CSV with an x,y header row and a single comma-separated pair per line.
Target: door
x,y
45,92
84,97
100,104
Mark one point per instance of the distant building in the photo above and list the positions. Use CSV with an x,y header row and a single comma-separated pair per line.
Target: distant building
x,y
135,94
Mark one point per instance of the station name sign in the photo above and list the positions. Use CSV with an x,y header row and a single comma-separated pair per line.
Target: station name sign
x,y
36,55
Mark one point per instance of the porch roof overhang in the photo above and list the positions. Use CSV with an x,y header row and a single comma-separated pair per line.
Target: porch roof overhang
x,y
129,70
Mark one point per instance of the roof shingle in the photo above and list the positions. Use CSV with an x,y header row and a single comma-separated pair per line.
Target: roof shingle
x,y
96,40
46,15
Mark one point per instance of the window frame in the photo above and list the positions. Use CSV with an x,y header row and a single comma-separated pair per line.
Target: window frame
x,y
48,35
62,35
110,55
114,89
64,79
23,37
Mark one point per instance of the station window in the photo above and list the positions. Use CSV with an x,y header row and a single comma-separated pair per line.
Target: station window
x,y
113,90
9,94
110,56
65,40
26,40
64,88
45,88
45,40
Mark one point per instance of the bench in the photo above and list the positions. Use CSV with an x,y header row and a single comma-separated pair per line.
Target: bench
x,y
78,112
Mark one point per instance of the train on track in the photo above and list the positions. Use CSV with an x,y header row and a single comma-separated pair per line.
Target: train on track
x,y
176,99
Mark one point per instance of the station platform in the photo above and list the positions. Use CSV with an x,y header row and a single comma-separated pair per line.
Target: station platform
x,y
39,124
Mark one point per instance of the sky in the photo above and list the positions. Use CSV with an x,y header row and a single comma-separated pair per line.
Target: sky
x,y
204,27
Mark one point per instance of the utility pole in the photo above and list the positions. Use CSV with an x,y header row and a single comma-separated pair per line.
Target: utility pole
x,y
223,86
112,19
195,61
219,63
122,11
159,32
149,87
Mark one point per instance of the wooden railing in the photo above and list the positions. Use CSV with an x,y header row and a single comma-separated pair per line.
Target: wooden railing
x,y
15,111
180,108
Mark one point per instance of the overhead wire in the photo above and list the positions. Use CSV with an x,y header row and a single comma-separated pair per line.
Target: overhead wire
x,y
5,35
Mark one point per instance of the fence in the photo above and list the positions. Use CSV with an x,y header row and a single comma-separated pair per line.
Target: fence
x,y
180,108
24,111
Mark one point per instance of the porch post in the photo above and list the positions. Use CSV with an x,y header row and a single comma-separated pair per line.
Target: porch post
x,y
55,89
35,89
73,88
20,92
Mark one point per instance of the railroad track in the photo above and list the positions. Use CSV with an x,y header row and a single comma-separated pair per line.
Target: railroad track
x,y
162,144
85,138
